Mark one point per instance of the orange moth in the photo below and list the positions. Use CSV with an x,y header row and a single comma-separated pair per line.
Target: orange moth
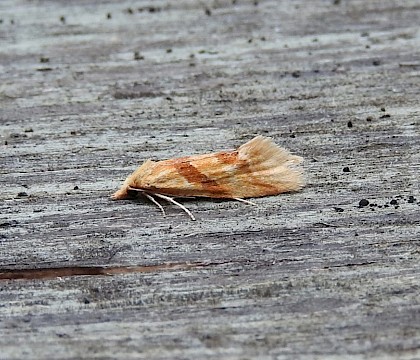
x,y
257,168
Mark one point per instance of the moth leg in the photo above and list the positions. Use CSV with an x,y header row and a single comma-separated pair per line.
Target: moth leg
x,y
245,201
168,198
150,197
153,200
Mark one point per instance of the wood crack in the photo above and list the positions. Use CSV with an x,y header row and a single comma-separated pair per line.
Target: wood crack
x,y
67,271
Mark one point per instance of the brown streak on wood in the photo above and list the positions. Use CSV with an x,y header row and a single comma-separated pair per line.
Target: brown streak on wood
x,y
51,273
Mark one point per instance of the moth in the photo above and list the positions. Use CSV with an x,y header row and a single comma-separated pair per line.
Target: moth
x,y
257,168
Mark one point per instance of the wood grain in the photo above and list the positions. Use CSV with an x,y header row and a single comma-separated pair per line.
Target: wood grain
x,y
91,89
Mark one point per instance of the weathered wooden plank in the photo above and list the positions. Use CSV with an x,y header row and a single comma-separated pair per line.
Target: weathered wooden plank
x,y
89,90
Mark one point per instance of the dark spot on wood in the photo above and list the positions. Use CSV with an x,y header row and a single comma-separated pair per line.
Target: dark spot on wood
x,y
363,203
346,169
153,9
9,223
137,56
411,199
349,124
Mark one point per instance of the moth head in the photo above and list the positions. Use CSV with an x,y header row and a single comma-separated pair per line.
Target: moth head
x,y
133,181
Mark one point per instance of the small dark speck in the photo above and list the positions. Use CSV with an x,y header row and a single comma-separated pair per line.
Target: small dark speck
x,y
383,109
262,38
296,74
364,34
363,203
86,301
137,56
376,62
292,136
9,223
349,124
73,132
336,2
130,11
369,118
44,69
22,194
5,142
207,11
109,16
76,188
44,59
168,51
346,169
62,19
411,199
29,130
393,202
385,116
338,209
17,135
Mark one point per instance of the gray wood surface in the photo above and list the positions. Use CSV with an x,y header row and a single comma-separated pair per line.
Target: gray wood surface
x,y
91,89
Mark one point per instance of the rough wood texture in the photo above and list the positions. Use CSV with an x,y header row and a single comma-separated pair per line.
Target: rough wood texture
x,y
90,89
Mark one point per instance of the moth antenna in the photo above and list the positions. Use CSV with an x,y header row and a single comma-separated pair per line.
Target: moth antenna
x,y
168,198
245,201
153,200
